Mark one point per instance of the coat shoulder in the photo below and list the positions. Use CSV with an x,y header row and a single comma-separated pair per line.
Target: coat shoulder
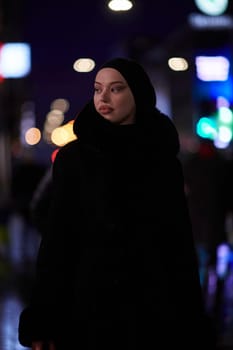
x,y
70,148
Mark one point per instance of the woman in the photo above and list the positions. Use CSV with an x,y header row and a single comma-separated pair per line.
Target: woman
x,y
117,267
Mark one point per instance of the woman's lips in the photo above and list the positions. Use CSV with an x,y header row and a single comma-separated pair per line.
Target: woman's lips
x,y
105,110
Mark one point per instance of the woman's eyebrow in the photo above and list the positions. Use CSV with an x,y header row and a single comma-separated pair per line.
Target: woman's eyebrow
x,y
112,82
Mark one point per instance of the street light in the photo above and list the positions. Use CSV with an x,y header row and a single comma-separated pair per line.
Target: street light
x,y
120,5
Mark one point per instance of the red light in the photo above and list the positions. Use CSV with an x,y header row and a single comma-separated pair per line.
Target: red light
x,y
53,155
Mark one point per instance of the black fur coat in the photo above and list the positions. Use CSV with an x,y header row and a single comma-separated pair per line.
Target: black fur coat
x,y
117,267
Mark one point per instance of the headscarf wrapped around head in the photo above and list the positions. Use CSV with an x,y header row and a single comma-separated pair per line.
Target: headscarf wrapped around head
x,y
138,81
156,127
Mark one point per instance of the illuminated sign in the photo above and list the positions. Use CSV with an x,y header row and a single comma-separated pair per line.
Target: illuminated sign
x,y
15,60
199,21
212,7
212,68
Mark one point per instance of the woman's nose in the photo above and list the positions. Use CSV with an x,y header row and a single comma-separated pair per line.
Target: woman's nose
x,y
104,95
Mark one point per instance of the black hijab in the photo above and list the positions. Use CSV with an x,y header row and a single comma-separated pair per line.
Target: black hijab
x,y
151,126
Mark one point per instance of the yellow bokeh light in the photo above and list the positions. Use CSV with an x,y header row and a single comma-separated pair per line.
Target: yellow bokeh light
x,y
32,136
178,64
55,117
60,104
63,134
120,5
84,65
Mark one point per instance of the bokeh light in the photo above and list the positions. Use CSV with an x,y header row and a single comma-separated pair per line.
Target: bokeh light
x,y
32,136
84,65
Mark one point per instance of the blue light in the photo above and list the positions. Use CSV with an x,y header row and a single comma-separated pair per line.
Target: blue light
x,y
15,60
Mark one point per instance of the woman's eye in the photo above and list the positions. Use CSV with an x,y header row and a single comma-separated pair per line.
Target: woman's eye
x,y
117,88
96,89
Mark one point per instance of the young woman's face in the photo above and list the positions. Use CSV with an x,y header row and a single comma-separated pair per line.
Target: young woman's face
x,y
113,98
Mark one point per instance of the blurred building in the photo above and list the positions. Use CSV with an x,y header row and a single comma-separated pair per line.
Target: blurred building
x,y
13,91
193,76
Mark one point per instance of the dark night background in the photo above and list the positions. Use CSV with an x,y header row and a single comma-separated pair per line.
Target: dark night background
x,y
61,32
